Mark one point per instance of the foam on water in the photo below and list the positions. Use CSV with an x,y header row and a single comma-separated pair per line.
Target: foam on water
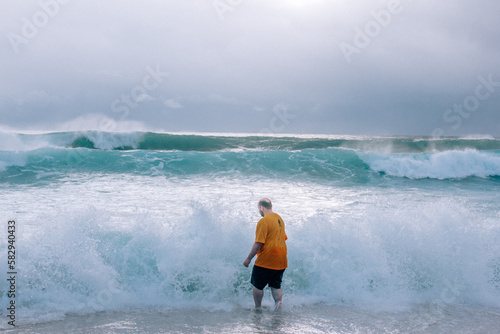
x,y
390,253
439,165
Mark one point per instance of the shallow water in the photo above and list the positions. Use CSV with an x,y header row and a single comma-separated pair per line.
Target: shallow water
x,y
303,319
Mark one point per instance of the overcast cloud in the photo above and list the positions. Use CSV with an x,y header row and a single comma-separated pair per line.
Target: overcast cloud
x,y
292,66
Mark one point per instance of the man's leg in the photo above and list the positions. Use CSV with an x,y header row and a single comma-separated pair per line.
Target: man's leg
x,y
277,295
257,297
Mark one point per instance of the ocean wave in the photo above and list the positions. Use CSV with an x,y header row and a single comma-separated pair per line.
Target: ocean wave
x,y
337,165
227,142
30,158
438,165
322,165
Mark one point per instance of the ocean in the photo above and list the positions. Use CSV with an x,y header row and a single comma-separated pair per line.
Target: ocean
x,y
146,232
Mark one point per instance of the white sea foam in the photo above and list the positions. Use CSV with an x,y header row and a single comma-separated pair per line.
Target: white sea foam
x,y
117,242
439,165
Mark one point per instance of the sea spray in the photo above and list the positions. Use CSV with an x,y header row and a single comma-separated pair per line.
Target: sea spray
x,y
386,257
438,165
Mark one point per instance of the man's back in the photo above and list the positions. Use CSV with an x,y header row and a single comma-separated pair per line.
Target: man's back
x,y
271,232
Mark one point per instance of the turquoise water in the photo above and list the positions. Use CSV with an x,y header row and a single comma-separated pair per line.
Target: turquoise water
x,y
27,158
150,221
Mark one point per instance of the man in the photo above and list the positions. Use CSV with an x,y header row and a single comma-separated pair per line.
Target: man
x,y
270,248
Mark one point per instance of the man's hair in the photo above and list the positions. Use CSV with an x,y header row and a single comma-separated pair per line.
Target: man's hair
x,y
266,203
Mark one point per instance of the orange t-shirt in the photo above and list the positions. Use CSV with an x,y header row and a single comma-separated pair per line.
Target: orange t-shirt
x,y
271,232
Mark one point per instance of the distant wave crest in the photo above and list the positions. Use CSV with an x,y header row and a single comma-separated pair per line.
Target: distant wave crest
x,y
439,165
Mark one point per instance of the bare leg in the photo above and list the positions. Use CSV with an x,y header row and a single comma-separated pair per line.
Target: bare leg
x,y
277,295
257,297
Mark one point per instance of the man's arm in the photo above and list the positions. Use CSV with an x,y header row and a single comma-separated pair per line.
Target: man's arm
x,y
255,249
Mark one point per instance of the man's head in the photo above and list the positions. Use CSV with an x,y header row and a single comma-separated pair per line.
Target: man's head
x,y
265,206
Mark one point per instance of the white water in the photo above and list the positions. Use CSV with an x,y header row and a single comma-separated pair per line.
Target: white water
x,y
438,165
114,242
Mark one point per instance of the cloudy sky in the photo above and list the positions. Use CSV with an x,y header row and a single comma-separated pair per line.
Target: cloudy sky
x,y
282,66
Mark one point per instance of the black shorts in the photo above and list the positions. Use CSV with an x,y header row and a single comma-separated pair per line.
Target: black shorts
x,y
263,276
